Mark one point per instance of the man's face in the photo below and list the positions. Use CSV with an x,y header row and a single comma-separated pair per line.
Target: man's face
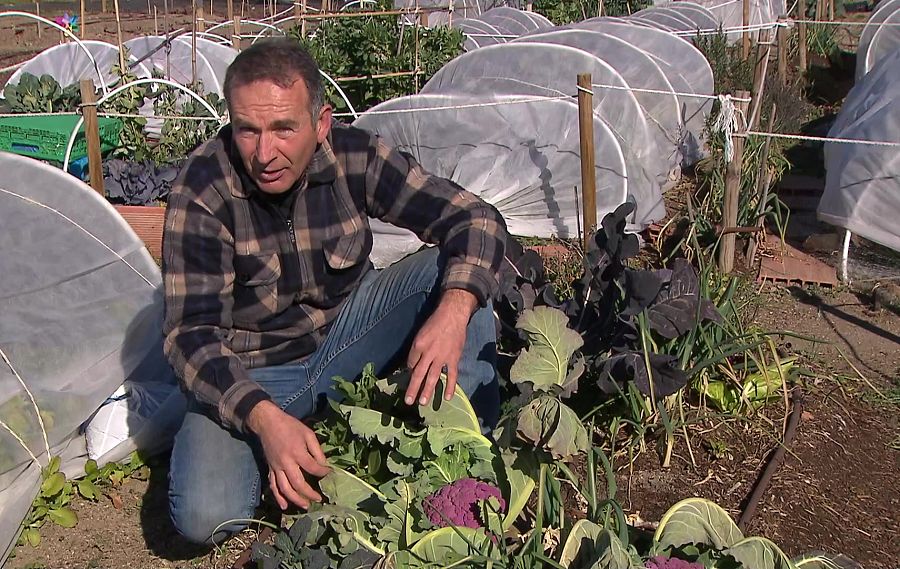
x,y
274,132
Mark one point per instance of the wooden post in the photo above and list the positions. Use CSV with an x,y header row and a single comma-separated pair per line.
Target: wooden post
x,y
119,37
782,38
166,19
194,44
103,6
745,37
830,10
39,25
801,34
82,21
303,21
760,71
155,22
732,192
201,19
298,13
92,134
588,174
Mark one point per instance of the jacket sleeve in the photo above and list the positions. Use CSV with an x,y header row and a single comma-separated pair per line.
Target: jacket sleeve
x,y
198,276
469,231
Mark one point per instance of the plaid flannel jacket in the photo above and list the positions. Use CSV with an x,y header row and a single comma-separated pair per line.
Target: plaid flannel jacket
x,y
247,288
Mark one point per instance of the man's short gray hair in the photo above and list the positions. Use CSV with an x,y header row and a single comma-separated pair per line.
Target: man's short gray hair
x,y
281,61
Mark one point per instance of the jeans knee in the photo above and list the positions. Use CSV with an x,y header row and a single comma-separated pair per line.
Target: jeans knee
x,y
208,525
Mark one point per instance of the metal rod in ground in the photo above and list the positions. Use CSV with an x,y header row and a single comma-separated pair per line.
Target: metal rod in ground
x,y
763,50
782,39
732,191
119,36
762,483
763,180
92,134
588,172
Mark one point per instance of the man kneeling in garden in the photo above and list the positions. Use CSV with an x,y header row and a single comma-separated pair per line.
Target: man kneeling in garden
x,y
270,292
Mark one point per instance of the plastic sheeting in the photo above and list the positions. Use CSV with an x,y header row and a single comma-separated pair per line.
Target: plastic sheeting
x,y
524,69
862,183
879,38
499,25
175,61
685,66
526,161
69,64
82,313
730,14
639,70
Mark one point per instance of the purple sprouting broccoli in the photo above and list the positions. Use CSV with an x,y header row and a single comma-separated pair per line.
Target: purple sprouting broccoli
x,y
457,503
660,562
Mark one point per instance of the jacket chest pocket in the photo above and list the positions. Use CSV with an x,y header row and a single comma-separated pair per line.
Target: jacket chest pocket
x,y
256,285
346,260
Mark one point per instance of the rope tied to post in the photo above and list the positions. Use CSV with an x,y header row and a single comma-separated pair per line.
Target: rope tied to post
x,y
727,123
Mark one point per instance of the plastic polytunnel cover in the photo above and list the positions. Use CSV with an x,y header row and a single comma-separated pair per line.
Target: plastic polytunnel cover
x,y
879,38
175,61
68,64
81,311
862,183
519,154
551,70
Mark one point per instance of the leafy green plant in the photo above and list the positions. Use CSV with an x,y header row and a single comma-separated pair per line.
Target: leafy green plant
x,y
41,95
50,504
562,12
387,458
362,47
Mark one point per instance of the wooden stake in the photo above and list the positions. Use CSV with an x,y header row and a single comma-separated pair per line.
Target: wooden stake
x,y
155,22
92,134
760,71
104,7
745,37
830,10
201,20
782,38
801,37
166,17
763,181
82,21
732,192
303,21
194,45
588,174
119,37
39,25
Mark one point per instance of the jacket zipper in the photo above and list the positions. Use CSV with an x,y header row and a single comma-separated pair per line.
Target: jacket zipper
x,y
290,226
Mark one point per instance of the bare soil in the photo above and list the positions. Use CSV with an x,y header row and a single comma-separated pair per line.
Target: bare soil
x,y
837,490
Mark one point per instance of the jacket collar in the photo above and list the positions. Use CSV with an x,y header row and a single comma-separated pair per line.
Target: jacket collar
x,y
322,169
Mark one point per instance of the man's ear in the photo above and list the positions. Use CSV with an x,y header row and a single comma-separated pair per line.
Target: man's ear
x,y
323,126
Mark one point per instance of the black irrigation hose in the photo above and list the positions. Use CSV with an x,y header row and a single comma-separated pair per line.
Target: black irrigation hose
x,y
765,477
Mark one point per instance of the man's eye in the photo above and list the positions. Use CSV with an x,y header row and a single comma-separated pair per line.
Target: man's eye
x,y
284,131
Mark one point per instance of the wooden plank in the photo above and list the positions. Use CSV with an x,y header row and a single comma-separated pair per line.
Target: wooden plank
x,y
148,223
745,36
786,263
588,174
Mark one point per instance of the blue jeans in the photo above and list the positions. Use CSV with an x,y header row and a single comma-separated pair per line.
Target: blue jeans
x,y
216,475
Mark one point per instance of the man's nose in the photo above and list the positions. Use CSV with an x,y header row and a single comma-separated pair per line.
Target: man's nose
x,y
265,148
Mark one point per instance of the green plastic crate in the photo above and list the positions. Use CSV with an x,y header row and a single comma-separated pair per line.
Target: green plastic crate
x,y
46,137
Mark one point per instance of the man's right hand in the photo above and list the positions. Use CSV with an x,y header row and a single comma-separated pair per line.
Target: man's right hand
x,y
291,450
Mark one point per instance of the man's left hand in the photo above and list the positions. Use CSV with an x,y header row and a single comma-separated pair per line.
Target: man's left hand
x,y
439,345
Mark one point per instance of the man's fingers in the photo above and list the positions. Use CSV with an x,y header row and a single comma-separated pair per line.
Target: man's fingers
x,y
315,450
288,489
273,485
415,380
434,373
450,383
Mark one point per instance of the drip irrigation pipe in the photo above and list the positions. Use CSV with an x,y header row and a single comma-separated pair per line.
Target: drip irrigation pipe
x,y
762,483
